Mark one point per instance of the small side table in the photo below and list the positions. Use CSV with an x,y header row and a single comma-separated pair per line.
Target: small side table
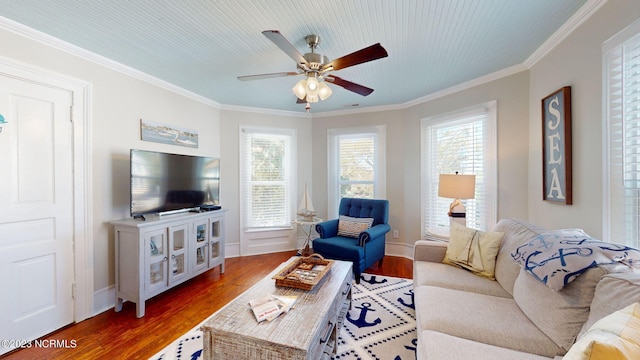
x,y
307,228
438,233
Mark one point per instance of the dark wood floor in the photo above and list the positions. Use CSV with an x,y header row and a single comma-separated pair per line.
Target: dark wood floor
x,y
120,335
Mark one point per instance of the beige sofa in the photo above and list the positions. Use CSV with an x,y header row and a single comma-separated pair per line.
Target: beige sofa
x,y
460,315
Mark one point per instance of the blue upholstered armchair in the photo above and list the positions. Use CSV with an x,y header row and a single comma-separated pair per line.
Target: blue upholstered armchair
x,y
364,248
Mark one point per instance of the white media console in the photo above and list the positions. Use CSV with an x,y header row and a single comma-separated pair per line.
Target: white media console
x,y
160,252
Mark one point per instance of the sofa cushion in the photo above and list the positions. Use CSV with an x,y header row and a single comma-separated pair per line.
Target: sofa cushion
x,y
613,292
614,337
559,314
438,274
516,233
436,345
487,319
352,227
473,250
558,257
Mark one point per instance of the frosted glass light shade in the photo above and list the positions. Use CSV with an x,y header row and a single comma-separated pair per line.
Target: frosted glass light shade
x,y
325,91
313,88
300,89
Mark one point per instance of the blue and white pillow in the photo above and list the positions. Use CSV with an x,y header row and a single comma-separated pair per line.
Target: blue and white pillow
x,y
557,258
352,227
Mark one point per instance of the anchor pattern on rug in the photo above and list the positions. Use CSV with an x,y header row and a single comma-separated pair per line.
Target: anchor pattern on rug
x,y
361,321
412,304
413,348
373,280
394,337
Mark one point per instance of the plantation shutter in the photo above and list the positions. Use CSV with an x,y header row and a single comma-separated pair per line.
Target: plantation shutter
x,y
465,143
266,179
622,138
356,165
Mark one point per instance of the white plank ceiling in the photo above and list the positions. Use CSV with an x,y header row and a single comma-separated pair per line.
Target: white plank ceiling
x,y
202,46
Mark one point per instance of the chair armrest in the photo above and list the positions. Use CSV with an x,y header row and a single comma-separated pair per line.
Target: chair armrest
x,y
427,250
327,229
373,232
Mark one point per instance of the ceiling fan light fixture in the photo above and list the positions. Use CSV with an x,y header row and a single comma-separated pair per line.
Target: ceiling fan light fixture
x,y
313,87
312,98
300,89
325,91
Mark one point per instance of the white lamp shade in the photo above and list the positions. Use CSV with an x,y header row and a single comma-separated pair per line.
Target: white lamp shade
x,y
325,91
312,98
457,186
300,89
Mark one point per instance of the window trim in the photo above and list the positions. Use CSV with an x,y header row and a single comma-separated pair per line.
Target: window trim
x,y
491,158
333,192
290,175
612,228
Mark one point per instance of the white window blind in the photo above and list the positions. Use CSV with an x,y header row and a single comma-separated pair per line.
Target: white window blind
x,y
464,142
622,137
356,158
267,166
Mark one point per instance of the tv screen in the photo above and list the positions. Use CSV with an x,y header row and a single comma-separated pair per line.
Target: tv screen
x,y
162,182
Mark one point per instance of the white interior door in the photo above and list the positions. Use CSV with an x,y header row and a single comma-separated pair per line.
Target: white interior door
x,y
36,210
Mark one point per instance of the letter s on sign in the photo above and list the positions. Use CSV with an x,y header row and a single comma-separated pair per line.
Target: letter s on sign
x,y
554,112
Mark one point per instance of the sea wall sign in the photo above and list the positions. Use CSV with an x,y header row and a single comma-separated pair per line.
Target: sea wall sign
x,y
556,147
168,134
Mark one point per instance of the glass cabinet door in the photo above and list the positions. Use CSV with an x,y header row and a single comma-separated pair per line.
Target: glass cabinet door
x,y
178,237
156,259
200,253
215,251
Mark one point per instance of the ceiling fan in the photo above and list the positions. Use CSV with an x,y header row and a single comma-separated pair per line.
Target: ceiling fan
x,y
316,68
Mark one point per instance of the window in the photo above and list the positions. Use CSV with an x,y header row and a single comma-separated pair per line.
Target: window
x,y
465,142
621,137
267,166
356,164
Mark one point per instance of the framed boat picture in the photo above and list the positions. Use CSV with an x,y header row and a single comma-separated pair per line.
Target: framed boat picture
x,y
556,147
168,134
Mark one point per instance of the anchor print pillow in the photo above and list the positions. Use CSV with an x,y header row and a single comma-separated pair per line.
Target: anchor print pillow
x,y
559,257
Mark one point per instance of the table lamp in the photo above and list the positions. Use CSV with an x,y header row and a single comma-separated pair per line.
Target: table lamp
x,y
457,187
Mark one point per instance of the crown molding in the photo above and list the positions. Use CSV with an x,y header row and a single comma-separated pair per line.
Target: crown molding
x,y
53,42
265,111
582,15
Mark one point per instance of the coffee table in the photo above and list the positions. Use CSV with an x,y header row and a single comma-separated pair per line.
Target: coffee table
x,y
308,331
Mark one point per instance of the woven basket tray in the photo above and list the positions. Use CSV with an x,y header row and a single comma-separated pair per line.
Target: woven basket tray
x,y
304,272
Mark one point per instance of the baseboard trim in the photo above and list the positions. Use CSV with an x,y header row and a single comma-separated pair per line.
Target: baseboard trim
x,y
104,300
399,249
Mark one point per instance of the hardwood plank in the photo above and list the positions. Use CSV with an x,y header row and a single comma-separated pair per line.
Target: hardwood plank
x,y
120,335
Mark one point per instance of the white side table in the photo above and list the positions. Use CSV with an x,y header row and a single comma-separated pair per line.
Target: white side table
x,y
307,229
438,233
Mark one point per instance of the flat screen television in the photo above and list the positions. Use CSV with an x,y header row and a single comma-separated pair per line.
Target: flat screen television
x,y
164,183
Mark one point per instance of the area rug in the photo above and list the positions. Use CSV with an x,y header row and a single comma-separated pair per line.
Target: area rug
x,y
381,325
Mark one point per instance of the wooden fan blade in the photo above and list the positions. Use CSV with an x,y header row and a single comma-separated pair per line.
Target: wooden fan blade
x,y
277,38
301,101
370,53
267,76
351,86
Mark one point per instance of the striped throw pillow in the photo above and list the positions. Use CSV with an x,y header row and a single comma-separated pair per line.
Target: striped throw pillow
x,y
352,227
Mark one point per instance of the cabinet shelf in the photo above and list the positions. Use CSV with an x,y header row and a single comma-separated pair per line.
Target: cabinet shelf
x,y
155,255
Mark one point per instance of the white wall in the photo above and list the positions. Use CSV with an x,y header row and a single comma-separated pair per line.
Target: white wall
x,y
230,171
117,104
403,152
577,62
